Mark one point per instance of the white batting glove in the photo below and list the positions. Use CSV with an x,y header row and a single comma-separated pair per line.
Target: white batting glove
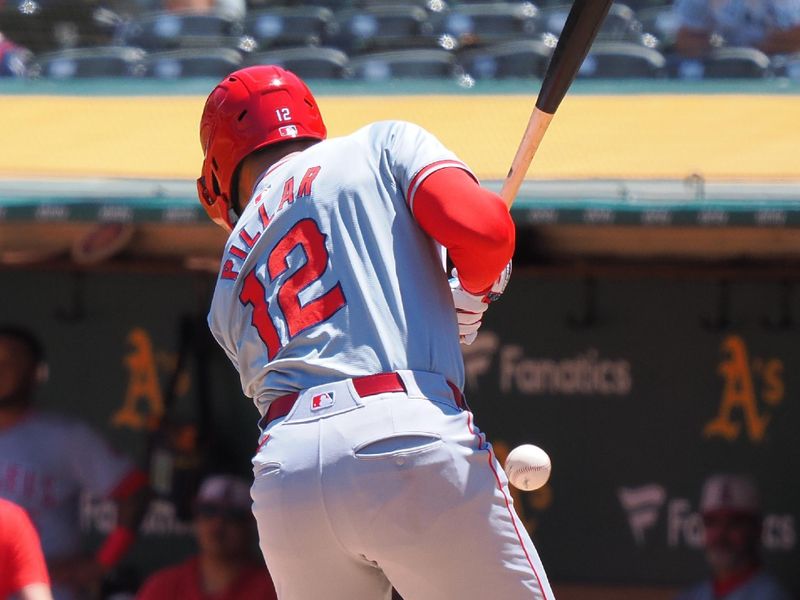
x,y
470,307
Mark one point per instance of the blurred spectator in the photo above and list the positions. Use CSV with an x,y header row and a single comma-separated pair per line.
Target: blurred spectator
x,y
23,573
13,58
234,9
226,567
731,510
772,26
47,461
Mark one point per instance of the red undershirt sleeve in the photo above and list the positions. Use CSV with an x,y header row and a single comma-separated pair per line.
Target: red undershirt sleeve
x,y
473,223
26,559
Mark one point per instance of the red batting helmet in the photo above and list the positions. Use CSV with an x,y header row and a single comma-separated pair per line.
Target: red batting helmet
x,y
251,108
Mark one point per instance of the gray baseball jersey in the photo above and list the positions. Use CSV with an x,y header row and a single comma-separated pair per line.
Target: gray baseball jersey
x,y
46,462
327,277
313,290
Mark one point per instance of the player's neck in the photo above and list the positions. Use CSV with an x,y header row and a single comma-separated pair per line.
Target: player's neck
x,y
217,574
256,164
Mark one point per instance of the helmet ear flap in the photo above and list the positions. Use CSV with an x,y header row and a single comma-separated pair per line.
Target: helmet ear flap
x,y
202,191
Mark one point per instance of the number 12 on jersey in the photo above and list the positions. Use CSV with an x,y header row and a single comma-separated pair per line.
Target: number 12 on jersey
x,y
306,234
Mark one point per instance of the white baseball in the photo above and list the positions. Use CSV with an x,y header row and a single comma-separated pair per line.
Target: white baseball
x,y
528,467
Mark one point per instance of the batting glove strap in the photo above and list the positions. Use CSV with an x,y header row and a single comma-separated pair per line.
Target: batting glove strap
x,y
499,285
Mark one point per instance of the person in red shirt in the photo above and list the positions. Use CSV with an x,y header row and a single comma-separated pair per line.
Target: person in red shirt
x,y
225,567
23,572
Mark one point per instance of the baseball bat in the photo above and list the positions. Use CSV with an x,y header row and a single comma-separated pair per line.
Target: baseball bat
x,y
580,29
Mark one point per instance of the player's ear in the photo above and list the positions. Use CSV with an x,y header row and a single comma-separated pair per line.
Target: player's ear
x,y
41,374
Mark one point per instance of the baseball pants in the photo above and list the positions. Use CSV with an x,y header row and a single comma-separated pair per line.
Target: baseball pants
x,y
353,493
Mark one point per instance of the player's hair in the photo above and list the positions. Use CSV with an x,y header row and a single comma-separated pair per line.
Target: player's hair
x,y
28,339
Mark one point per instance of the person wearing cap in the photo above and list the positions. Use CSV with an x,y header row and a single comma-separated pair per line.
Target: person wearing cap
x,y
731,509
224,567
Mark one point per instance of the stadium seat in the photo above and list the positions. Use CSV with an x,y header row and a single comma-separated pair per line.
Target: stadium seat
x,y
622,60
164,31
308,63
481,23
787,66
660,21
290,26
521,58
380,66
432,6
380,28
78,63
621,23
42,26
736,63
178,64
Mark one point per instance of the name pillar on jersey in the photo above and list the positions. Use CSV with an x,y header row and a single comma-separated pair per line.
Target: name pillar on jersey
x,y
238,254
305,183
288,193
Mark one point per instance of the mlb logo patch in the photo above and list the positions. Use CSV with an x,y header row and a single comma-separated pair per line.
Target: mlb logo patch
x,y
287,131
322,401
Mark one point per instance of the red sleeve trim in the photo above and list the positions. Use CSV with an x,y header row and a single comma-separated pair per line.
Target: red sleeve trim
x,y
115,546
25,558
134,481
417,180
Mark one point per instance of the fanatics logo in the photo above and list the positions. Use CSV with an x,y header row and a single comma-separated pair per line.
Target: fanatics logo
x,y
322,401
287,131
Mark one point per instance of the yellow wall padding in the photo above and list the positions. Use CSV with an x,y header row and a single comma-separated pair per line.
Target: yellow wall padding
x,y
747,137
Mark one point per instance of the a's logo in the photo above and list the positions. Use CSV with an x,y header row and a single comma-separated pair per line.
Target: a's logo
x,y
323,400
642,504
739,405
143,405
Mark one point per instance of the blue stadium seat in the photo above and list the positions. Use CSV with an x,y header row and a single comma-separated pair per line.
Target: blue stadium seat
x,y
481,23
307,62
79,63
381,66
788,66
622,60
290,26
380,28
621,23
178,64
520,58
660,21
164,31
736,63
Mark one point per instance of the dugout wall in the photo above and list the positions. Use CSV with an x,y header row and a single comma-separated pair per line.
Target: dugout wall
x,y
648,338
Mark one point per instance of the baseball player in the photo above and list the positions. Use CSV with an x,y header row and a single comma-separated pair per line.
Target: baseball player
x,y
47,461
333,305
731,509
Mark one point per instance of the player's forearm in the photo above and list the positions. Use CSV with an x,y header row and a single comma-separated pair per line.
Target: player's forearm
x,y
470,221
